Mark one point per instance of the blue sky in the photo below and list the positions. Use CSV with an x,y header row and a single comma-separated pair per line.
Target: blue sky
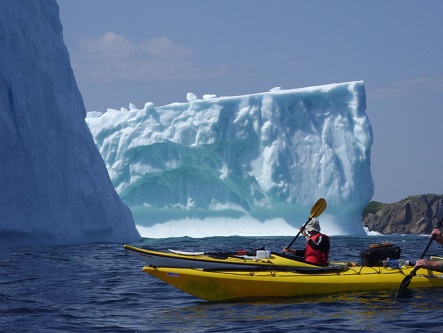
x,y
138,51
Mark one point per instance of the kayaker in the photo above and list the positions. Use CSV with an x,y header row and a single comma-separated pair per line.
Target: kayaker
x,y
435,265
317,244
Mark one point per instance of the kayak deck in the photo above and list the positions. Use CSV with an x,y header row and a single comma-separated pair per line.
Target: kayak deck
x,y
240,285
222,260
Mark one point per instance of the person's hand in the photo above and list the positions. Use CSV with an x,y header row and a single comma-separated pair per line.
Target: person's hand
x,y
437,233
421,263
428,264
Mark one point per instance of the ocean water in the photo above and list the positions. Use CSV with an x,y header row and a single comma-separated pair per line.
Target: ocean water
x,y
100,288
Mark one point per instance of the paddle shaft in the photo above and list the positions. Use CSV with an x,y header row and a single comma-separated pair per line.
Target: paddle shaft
x,y
299,232
316,211
433,237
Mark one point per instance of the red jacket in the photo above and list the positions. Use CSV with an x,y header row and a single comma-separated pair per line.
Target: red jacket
x,y
317,250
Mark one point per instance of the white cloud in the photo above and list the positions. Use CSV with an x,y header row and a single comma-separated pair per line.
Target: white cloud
x,y
163,47
113,57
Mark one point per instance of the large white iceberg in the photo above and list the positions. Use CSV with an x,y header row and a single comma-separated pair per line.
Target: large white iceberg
x,y
54,187
242,165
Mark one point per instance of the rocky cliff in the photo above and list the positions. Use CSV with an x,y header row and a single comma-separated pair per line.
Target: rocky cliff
x,y
413,215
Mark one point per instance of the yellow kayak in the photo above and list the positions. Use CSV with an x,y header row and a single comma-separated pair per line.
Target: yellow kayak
x,y
219,260
253,284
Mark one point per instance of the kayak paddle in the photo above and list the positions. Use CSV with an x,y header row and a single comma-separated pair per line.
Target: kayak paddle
x,y
402,290
316,210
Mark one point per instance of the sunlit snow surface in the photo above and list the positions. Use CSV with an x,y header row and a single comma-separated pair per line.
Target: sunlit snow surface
x,y
54,187
243,165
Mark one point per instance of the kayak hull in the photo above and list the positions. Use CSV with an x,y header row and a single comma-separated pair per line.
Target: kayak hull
x,y
244,285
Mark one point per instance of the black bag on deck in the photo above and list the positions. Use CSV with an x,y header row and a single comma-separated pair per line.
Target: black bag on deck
x,y
375,256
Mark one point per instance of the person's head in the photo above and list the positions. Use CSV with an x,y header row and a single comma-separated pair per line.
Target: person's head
x,y
313,225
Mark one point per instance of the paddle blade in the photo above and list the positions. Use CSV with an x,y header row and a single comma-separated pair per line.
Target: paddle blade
x,y
403,289
318,208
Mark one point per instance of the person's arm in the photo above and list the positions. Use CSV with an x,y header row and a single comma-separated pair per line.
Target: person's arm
x,y
298,253
436,265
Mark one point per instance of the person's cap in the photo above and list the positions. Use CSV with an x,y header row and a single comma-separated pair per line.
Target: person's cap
x,y
313,225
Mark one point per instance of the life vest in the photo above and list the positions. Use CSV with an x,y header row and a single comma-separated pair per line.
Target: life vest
x,y
315,256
